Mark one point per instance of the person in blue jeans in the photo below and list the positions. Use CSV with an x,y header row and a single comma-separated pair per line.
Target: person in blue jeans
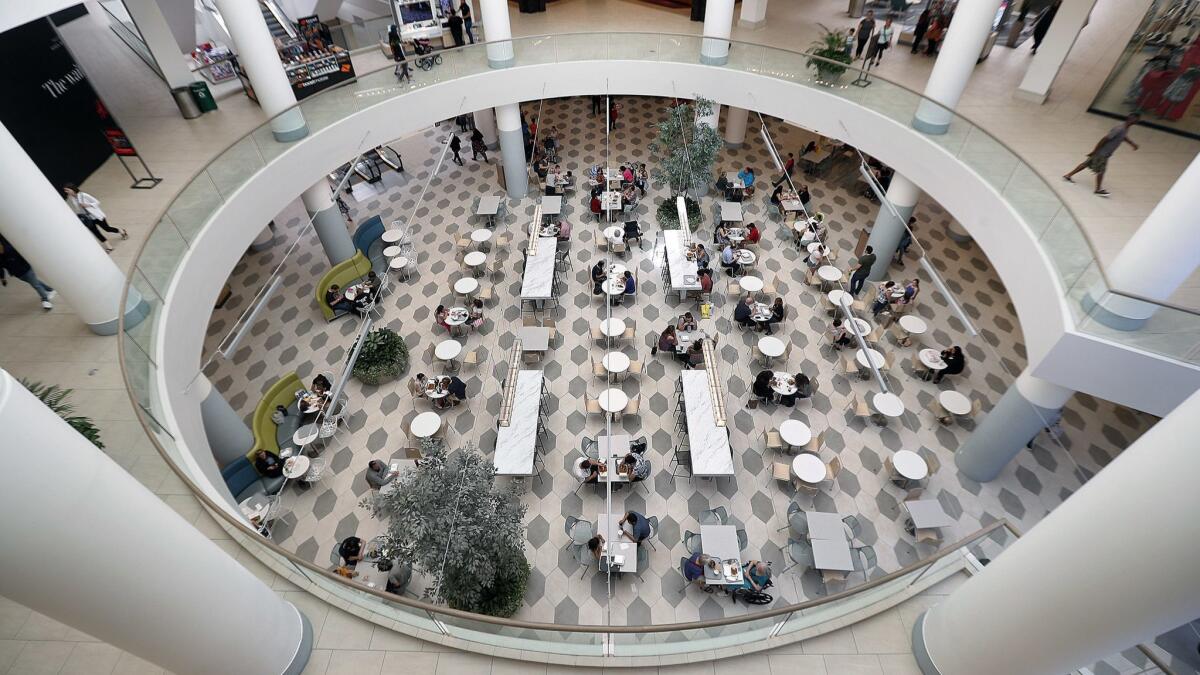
x,y
865,263
12,264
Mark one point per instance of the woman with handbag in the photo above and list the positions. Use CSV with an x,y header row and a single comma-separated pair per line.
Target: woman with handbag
x,y
87,208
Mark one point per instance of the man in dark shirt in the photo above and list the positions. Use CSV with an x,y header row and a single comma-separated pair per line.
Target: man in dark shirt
x,y
12,264
379,475
742,312
267,464
599,274
865,263
351,551
1097,159
866,28
457,388
337,300
638,528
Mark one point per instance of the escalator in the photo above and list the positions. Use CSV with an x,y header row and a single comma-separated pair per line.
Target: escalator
x,y
278,23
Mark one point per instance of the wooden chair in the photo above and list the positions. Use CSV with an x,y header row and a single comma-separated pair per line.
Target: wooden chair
x,y
461,246
859,408
782,472
939,413
932,461
471,358
630,333
635,368
918,368
811,278
832,469
772,440
634,405
976,408
592,406
597,334
733,289
849,365
598,369
500,242
814,445
929,535
531,321
485,294
889,360
769,287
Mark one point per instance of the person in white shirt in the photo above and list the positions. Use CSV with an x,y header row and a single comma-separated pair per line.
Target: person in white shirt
x,y
883,40
87,208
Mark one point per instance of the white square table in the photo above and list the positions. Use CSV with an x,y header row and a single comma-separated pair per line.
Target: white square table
x,y
607,524
720,542
534,338
616,445
826,526
734,182
489,205
551,206
832,554
731,212
928,513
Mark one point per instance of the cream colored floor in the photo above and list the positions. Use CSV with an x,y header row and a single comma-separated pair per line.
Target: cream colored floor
x,y
55,347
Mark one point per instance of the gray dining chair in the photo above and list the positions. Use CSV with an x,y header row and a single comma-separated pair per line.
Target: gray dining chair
x,y
797,519
653,522
801,554
584,557
743,539
864,559
717,516
580,531
692,542
853,527
682,575
643,561
590,448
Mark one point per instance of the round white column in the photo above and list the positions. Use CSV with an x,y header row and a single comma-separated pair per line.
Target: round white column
x,y
328,222
888,229
43,229
257,54
102,554
1159,257
512,150
497,31
754,14
1020,414
735,126
718,23
1113,566
956,60
485,122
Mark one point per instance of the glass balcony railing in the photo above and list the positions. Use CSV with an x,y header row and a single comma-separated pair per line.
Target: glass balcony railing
x,y
1173,333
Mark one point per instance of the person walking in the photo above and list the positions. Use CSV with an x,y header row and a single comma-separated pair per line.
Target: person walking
x,y
919,30
402,72
87,208
865,263
13,265
478,147
866,28
468,23
1042,26
455,146
456,29
1097,159
883,40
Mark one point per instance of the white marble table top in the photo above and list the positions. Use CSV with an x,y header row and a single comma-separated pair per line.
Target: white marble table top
x,y
474,258
534,338
913,325
392,235
932,359
552,206
613,327
770,345
613,400
711,455
398,263
928,513
517,442
447,349
751,284
295,467
873,354
825,525
608,525
481,235
731,212
538,283
721,542
832,554
616,362
466,286
887,404
682,270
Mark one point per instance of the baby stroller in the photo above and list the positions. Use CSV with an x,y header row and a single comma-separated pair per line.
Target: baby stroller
x,y
426,58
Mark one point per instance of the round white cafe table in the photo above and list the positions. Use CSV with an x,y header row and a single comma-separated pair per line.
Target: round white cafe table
x,y
954,402
887,404
392,236
808,468
910,465
616,362
295,467
613,400
829,273
751,284
481,235
813,246
613,327
836,295
425,425
614,286
873,354
795,433
745,257
392,251
447,350
770,346
932,359
475,258
913,325
614,233
398,263
305,435
863,326
466,286
617,270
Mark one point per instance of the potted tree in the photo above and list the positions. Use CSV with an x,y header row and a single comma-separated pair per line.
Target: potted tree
x,y
830,51
384,357
448,518
685,151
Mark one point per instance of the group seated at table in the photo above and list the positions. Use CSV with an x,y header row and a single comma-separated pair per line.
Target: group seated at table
x,y
344,275
633,466
838,335
895,298
814,230
764,390
356,297
442,392
759,315
473,318
314,400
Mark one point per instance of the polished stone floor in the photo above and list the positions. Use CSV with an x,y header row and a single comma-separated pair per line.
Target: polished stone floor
x,y
290,335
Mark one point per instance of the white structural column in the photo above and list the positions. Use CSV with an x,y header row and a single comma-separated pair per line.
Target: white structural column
x,y
228,435
1028,406
43,229
497,31
754,14
1159,257
888,229
735,126
328,222
712,119
1113,566
718,24
106,556
485,122
512,150
257,54
956,60
156,33
1044,66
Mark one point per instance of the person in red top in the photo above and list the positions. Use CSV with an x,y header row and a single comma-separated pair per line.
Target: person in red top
x,y
706,282
596,206
753,234
612,114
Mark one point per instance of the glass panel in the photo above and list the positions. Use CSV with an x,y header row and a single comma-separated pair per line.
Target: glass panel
x,y
161,254
557,642
695,640
195,205
234,167
143,333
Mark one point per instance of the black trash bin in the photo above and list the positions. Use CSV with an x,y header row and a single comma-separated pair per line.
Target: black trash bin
x,y
698,9
203,97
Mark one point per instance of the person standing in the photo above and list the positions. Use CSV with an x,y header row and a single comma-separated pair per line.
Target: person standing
x,y
865,263
883,40
1042,26
455,146
402,71
866,28
478,147
456,29
87,208
468,23
12,264
919,30
933,36
1097,159
906,240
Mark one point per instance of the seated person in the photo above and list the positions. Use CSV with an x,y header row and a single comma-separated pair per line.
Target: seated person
x,y
814,229
541,167
398,575
745,308
761,388
379,474
838,334
337,300
955,363
729,260
883,297
756,576
776,198
804,387
639,527
417,385
635,467
564,230
627,174
439,317
596,546
268,464
721,236
599,276
723,185
693,568
632,231
804,196
911,290
702,259
373,285
475,318
596,207
321,384
817,257
589,469
630,284
667,341
457,388
705,279
351,551
777,314
686,322
753,234
746,175
695,354
628,197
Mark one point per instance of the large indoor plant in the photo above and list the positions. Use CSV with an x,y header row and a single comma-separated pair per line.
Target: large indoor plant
x,y
55,398
831,48
447,517
685,151
384,357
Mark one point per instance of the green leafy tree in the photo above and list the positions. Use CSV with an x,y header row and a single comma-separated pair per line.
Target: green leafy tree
x,y
457,528
384,357
685,152
55,398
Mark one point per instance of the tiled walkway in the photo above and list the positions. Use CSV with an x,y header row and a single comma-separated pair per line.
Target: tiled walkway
x,y
290,335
